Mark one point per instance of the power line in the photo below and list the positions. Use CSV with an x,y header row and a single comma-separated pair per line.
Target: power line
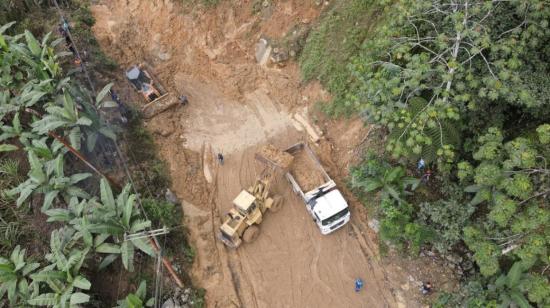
x,y
154,241
68,30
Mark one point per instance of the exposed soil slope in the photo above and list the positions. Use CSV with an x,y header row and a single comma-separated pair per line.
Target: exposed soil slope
x,y
236,106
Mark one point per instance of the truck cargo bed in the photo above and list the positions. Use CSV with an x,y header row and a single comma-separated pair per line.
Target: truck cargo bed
x,y
306,169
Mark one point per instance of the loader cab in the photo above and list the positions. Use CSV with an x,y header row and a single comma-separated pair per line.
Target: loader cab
x,y
137,77
143,83
245,203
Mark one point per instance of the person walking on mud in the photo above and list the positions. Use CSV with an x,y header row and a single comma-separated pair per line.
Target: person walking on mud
x,y
358,284
183,100
220,158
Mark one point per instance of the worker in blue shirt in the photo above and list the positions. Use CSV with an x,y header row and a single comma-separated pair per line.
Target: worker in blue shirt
x,y
358,284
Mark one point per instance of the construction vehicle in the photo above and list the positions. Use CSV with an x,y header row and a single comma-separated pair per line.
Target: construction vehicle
x,y
310,181
241,222
156,97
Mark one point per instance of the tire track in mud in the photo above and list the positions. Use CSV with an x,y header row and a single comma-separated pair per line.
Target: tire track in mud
x,y
251,177
239,273
216,213
248,281
249,277
367,253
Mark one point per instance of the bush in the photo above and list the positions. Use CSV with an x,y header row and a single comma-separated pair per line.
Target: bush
x,y
332,43
162,213
447,218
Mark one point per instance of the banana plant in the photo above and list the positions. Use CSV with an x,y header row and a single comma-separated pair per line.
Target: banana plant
x,y
510,287
98,126
14,278
77,215
31,58
48,179
137,299
63,276
27,96
392,182
66,117
118,219
16,131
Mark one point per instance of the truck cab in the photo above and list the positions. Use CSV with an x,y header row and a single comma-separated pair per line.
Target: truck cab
x,y
329,210
325,203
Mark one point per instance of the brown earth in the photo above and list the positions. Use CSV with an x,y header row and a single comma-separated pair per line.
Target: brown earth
x,y
306,172
235,107
276,156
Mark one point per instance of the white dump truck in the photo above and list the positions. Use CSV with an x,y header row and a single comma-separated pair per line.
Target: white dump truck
x,y
311,182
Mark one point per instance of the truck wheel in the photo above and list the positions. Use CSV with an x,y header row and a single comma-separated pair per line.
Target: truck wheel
x,y
251,234
277,204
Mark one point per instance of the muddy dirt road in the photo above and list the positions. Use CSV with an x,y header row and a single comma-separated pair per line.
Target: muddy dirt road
x,y
235,106
291,264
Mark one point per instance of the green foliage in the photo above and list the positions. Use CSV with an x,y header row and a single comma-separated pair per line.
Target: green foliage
x,y
510,287
330,45
544,133
62,276
398,227
36,104
9,174
137,299
538,289
78,215
397,224
511,178
151,173
460,69
461,85
118,219
486,253
162,213
197,298
48,178
207,3
447,219
376,175
14,277
432,138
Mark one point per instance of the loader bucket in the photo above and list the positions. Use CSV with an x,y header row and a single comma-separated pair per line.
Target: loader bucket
x,y
274,157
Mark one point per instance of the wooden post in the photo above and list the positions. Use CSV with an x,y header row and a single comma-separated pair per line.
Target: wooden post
x,y
167,264
84,160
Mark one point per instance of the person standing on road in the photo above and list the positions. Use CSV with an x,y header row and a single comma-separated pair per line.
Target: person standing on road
x,y
426,288
183,100
358,284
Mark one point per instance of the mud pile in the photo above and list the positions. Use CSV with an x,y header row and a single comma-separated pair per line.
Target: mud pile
x,y
306,172
275,156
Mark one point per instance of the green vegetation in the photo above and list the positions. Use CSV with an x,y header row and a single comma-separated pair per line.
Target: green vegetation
x,y
83,22
149,172
137,299
162,213
207,3
37,110
41,109
462,86
332,44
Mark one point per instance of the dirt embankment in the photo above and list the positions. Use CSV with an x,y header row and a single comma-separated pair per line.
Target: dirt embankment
x,y
235,106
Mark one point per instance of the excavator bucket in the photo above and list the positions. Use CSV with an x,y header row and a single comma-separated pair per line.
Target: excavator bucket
x,y
159,105
274,157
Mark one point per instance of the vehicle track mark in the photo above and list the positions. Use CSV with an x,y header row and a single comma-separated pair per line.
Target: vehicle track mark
x,y
369,263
